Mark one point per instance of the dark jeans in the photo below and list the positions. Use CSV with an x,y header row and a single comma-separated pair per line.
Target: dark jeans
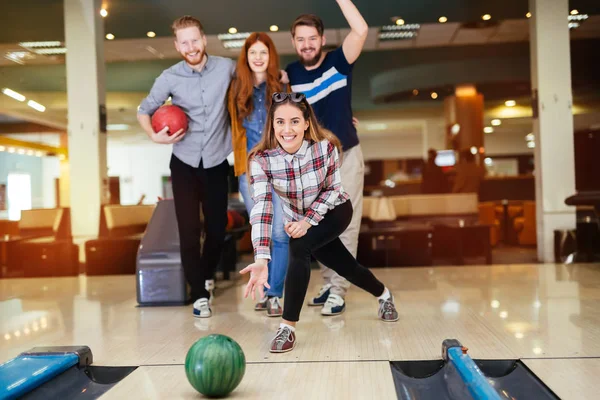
x,y
193,188
323,242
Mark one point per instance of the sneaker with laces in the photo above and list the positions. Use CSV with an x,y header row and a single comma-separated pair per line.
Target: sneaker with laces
x,y
274,308
387,310
321,297
284,340
202,308
262,305
209,285
334,305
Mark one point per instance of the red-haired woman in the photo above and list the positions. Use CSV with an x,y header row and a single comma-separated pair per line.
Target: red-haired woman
x,y
257,77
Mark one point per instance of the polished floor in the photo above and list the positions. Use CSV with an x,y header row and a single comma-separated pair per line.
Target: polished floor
x,y
546,315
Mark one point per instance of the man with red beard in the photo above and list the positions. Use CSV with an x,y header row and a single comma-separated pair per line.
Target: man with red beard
x,y
326,81
199,169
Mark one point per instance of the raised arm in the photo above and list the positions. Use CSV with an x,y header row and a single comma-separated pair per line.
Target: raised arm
x,y
354,42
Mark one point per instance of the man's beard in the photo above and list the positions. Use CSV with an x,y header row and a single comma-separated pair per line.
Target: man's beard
x,y
313,61
190,62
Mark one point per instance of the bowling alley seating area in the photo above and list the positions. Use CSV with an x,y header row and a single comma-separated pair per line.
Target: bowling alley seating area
x,y
38,245
120,232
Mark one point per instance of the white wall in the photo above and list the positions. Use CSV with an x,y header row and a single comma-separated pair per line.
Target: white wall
x,y
50,171
140,167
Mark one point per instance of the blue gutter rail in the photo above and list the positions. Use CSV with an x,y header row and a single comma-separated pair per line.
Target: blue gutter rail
x,y
473,378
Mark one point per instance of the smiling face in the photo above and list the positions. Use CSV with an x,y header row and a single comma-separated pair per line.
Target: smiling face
x,y
289,126
191,44
258,57
308,44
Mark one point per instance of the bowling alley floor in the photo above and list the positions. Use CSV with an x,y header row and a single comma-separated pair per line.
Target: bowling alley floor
x,y
547,315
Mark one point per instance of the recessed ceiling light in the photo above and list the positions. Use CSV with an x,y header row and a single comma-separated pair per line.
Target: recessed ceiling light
x,y
574,12
273,28
434,95
488,129
232,30
104,13
36,106
510,103
496,122
110,36
486,17
151,34
399,21
443,20
528,15
13,94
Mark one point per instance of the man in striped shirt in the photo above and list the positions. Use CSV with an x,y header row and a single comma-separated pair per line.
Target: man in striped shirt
x,y
326,80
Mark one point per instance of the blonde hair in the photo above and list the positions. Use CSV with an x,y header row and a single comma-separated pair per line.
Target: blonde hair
x,y
315,131
186,21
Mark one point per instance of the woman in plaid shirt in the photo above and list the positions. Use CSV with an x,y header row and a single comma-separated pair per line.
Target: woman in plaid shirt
x,y
299,161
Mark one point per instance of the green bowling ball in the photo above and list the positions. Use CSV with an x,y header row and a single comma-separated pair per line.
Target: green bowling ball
x,y
215,365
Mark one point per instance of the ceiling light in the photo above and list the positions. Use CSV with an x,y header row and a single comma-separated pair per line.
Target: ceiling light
x,y
488,129
39,153
486,17
2,148
11,149
29,152
377,126
232,30
31,45
528,15
273,28
488,161
510,103
110,36
530,137
52,51
117,127
399,21
104,13
151,34
443,20
574,12
503,314
531,145
36,106
434,95
473,150
234,44
496,122
13,94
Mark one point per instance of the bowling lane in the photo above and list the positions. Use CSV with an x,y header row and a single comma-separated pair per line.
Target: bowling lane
x,y
575,378
318,380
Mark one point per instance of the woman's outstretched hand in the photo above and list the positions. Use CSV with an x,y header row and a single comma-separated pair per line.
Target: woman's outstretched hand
x,y
259,275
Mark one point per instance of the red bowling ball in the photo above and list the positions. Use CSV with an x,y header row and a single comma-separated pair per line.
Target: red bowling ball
x,y
171,116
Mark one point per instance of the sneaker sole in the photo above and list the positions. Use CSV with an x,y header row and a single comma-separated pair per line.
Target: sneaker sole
x,y
310,304
200,316
259,309
274,315
330,314
283,351
389,320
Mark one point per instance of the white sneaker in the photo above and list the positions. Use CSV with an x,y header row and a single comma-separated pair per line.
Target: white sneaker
x,y
202,309
334,305
210,286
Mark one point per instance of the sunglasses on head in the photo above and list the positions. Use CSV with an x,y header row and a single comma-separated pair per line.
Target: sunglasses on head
x,y
278,97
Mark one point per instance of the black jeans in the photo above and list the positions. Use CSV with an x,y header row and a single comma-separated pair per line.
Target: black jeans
x,y
323,242
192,188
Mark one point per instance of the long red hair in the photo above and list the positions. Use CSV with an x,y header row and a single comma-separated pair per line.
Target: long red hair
x,y
244,82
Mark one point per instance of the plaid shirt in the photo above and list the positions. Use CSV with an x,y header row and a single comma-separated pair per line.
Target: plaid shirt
x,y
308,183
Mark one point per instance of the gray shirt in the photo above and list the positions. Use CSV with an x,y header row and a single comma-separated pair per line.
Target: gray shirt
x,y
203,97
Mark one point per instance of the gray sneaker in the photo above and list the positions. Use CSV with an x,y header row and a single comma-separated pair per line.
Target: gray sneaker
x,y
387,310
274,308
